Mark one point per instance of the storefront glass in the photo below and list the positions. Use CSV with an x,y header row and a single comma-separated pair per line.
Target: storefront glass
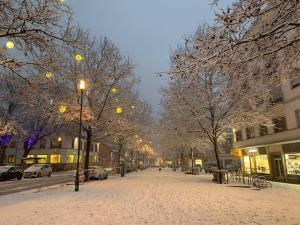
x,y
29,160
262,164
71,158
42,158
55,159
247,167
293,164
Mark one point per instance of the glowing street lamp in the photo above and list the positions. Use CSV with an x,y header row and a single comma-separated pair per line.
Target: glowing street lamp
x,y
82,87
10,44
78,57
133,106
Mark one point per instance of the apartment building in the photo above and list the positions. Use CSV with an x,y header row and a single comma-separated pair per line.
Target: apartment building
x,y
274,151
61,152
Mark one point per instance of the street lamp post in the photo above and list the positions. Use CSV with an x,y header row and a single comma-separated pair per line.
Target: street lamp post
x,y
81,87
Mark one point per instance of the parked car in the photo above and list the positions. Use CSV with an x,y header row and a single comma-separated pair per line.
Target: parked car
x,y
231,168
210,166
38,170
98,172
10,172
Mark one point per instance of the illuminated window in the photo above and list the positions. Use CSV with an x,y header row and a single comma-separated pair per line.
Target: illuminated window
x,y
42,158
71,159
29,160
55,159
246,162
293,164
262,164
11,159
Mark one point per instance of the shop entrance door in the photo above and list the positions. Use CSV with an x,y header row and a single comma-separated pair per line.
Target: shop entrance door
x,y
278,167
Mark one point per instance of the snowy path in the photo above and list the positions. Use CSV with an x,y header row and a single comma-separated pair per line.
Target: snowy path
x,y
153,198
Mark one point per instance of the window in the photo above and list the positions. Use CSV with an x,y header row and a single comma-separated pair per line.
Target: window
x,y
11,159
263,130
12,144
43,143
293,164
297,112
55,159
250,131
29,159
71,159
42,159
279,124
55,143
238,135
295,82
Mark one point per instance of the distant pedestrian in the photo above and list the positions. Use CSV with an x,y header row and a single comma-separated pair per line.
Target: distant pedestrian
x,y
159,169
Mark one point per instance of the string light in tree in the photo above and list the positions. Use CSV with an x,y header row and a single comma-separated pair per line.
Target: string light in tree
x,y
119,110
62,109
78,57
114,90
10,44
49,74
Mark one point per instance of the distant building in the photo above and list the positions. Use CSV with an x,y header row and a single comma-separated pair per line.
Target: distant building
x,y
274,151
61,152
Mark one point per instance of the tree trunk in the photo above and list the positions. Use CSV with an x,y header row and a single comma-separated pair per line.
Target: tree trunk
x,y
2,154
26,151
192,153
215,143
87,152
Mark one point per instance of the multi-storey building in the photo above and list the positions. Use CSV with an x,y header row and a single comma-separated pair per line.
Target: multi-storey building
x,y
274,151
61,152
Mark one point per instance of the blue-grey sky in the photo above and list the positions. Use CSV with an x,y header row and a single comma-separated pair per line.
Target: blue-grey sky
x,y
145,30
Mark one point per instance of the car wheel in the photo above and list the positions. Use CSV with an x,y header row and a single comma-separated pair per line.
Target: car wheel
x,y
49,174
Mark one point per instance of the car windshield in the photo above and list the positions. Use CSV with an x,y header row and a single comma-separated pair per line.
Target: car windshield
x,y
4,168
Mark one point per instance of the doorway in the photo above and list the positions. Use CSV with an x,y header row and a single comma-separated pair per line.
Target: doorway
x,y
278,171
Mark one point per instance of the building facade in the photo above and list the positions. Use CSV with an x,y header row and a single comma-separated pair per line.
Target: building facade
x,y
61,152
274,151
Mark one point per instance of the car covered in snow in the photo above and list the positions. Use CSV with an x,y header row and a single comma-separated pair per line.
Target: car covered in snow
x,y
10,172
38,170
210,166
98,172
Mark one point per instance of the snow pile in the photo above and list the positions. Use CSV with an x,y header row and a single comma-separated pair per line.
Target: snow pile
x,y
152,197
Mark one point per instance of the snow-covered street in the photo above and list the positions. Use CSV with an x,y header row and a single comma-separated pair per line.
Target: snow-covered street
x,y
153,197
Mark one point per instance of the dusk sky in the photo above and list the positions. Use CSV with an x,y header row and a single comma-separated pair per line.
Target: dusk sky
x,y
146,31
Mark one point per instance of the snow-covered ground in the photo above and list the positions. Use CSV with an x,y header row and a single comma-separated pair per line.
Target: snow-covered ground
x,y
152,197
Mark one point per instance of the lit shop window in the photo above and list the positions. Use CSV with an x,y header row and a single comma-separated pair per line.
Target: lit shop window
x,y
29,159
71,158
42,158
55,159
293,163
262,164
247,167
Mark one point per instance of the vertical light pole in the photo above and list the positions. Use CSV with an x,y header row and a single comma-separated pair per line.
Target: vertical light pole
x,y
82,88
